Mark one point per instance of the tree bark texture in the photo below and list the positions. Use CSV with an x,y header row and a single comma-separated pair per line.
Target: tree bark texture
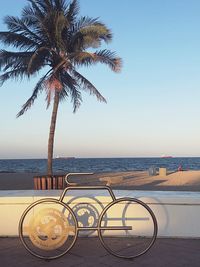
x,y
52,133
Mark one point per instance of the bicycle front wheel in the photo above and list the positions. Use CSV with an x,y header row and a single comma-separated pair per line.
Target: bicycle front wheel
x,y
46,230
127,228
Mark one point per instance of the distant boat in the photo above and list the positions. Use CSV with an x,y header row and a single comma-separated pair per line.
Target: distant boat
x,y
64,157
166,157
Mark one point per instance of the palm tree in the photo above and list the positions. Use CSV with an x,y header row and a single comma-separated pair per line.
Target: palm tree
x,y
51,36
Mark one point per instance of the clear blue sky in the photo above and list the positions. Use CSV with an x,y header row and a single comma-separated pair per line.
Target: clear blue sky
x,y
153,104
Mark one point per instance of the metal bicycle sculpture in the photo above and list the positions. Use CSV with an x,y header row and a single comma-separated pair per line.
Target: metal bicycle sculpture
x,y
127,227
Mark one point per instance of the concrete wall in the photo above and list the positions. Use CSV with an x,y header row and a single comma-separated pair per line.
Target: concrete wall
x,y
177,213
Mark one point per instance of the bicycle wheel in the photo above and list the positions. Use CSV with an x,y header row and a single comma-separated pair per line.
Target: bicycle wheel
x,y
45,229
127,228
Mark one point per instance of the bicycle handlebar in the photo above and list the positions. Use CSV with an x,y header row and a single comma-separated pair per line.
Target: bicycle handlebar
x,y
75,173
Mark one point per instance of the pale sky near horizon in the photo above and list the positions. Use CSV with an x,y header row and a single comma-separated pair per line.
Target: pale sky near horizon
x,y
153,104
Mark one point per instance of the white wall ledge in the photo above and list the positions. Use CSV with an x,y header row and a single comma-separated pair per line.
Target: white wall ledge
x,y
177,213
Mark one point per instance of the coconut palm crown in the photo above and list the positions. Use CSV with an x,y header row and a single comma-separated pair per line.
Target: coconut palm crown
x,y
50,35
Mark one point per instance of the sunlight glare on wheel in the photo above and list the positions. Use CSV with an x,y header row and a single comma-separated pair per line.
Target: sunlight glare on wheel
x,y
46,229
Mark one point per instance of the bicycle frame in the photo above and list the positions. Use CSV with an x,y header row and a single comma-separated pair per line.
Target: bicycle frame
x,y
71,186
99,228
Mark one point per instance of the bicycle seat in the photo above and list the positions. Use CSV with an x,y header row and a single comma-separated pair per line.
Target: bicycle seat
x,y
73,174
111,180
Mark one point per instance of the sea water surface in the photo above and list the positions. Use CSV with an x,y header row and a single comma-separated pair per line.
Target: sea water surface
x,y
98,165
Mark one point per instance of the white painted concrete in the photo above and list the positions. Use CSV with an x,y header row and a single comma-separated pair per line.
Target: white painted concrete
x,y
177,213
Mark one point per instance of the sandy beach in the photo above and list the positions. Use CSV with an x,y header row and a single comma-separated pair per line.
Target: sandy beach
x,y
133,180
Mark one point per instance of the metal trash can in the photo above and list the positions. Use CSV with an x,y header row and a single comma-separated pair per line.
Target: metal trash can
x,y
152,171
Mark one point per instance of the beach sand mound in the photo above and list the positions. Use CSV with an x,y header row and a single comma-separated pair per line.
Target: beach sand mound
x,y
182,178
140,180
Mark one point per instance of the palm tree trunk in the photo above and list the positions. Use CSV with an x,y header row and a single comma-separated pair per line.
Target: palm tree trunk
x,y
52,133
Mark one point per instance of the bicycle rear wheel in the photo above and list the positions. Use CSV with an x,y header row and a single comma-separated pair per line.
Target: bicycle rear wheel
x,y
127,228
45,229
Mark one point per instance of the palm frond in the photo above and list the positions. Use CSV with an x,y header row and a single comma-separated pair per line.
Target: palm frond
x,y
87,33
82,57
71,87
107,57
36,11
34,18
43,6
18,73
103,56
75,98
17,40
82,22
72,12
88,86
10,59
38,60
60,5
96,31
59,66
63,95
59,24
21,26
38,88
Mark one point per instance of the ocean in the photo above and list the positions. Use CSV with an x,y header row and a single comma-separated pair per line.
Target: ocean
x,y
98,165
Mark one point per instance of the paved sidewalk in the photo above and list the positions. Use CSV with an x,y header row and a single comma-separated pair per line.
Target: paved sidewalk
x,y
88,252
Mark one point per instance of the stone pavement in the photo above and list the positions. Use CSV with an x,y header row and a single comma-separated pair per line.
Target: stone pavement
x,y
88,252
